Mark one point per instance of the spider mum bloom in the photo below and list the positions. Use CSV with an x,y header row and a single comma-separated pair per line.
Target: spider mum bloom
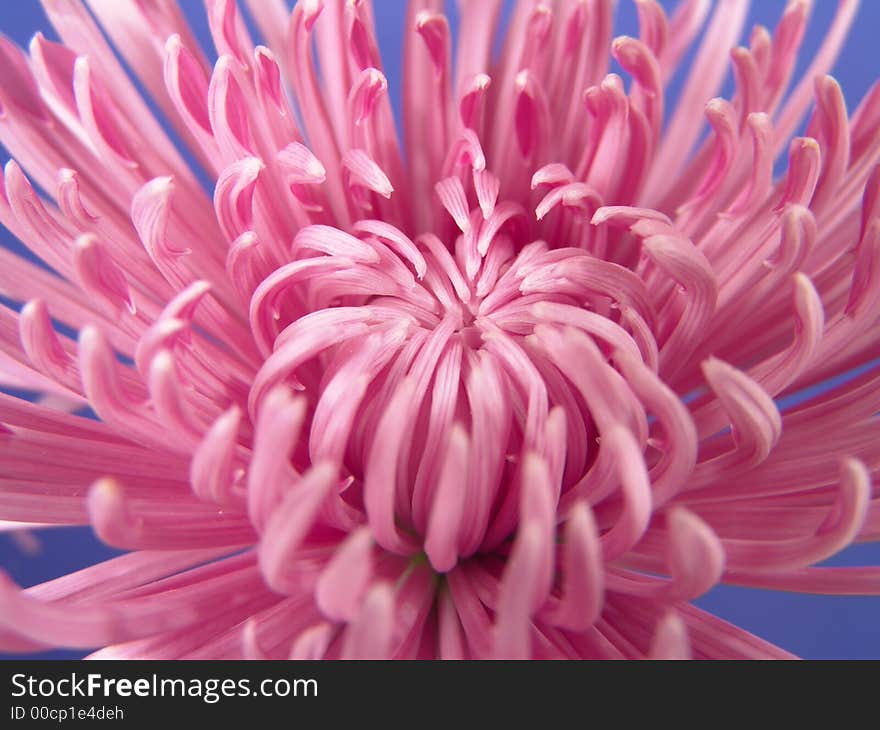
x,y
508,388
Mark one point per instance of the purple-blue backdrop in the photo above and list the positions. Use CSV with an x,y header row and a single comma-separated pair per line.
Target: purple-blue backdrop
x,y
811,626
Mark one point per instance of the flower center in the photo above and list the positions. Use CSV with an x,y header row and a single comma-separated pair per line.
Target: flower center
x,y
431,374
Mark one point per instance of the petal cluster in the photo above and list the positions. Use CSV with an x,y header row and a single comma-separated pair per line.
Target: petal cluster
x,y
521,382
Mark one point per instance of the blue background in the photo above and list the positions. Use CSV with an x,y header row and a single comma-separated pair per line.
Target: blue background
x,y
810,626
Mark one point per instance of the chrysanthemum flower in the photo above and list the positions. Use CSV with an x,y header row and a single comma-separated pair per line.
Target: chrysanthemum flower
x,y
509,388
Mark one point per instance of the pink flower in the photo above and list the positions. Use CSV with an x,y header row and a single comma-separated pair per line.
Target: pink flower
x,y
506,390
